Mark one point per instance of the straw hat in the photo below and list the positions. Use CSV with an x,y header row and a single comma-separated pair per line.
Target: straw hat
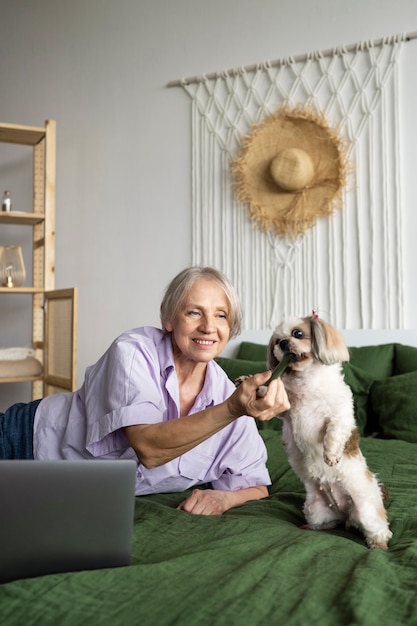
x,y
291,170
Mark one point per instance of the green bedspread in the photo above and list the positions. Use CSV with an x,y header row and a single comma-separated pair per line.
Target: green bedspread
x,y
251,566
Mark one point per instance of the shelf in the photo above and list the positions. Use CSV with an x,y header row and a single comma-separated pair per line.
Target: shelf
x,y
20,379
14,217
22,290
23,135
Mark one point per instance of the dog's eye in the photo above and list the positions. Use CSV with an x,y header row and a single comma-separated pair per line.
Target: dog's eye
x,y
297,333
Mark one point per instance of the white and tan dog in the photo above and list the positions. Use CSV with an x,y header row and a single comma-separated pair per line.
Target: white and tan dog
x,y
320,434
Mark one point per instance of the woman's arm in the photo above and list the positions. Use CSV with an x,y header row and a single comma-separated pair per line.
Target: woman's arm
x,y
156,444
215,502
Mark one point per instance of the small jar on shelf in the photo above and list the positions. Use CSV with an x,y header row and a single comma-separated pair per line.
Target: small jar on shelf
x,y
6,204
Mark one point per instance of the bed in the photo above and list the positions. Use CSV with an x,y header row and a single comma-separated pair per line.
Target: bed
x,y
254,565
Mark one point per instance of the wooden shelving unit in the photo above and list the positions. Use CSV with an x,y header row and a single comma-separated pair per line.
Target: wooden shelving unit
x,y
42,221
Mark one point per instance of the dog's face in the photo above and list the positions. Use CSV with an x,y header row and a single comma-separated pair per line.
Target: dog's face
x,y
292,336
309,340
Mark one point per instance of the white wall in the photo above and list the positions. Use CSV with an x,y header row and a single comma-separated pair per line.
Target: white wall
x,y
100,69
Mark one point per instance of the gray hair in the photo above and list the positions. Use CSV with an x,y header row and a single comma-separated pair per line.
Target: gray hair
x,y
178,289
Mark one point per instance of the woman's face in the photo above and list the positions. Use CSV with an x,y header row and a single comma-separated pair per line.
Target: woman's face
x,y
201,329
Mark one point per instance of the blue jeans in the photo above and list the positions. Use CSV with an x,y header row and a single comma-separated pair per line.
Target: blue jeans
x,y
16,431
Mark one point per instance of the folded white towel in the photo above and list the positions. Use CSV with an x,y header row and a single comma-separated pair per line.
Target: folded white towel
x,y
15,354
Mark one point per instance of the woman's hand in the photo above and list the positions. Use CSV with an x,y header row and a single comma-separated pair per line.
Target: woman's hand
x,y
216,502
244,401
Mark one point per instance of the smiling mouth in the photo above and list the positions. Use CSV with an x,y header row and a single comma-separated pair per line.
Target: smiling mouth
x,y
204,342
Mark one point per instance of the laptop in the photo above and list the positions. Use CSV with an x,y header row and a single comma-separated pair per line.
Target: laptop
x,y
61,516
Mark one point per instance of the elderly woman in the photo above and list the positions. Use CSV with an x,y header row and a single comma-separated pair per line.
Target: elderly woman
x,y
157,396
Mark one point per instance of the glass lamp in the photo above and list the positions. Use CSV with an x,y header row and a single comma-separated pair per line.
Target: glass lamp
x,y
12,268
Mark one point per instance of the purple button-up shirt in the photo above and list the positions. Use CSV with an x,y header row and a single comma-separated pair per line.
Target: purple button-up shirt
x,y
135,382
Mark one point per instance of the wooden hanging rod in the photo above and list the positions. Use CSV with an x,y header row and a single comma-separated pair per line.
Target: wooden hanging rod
x,y
296,59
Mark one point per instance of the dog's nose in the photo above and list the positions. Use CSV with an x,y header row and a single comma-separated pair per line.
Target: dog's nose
x,y
283,344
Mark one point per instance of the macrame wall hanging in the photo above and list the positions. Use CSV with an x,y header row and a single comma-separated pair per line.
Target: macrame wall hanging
x,y
345,263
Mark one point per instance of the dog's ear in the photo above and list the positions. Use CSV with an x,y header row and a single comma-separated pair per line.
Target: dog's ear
x,y
327,344
271,359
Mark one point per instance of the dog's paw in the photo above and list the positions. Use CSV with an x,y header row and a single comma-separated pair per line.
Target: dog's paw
x,y
331,459
261,391
332,452
379,540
